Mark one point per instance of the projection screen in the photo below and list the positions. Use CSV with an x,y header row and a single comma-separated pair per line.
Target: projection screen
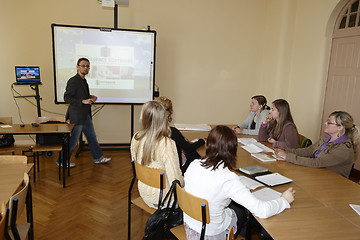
x,y
122,62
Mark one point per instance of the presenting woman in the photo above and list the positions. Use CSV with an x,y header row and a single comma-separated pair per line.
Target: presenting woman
x,y
211,178
278,127
153,147
258,111
186,150
334,150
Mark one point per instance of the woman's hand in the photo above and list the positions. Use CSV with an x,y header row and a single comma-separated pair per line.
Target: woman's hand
x,y
237,130
280,153
271,140
289,195
267,119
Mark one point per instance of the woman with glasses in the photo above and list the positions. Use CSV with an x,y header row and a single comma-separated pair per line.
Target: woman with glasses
x,y
278,127
334,150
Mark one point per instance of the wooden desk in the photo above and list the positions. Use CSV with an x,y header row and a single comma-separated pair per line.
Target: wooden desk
x,y
321,207
64,129
11,175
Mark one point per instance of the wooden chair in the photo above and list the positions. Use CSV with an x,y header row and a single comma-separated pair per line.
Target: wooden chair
x,y
45,148
304,141
17,203
149,176
4,222
230,235
195,207
10,149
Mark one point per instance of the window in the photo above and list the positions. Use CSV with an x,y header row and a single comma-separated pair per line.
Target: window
x,y
350,15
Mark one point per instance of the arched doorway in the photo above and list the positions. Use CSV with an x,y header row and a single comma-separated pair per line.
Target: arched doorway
x,y
343,82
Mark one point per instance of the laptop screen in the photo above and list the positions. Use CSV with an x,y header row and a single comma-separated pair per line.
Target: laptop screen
x,y
27,75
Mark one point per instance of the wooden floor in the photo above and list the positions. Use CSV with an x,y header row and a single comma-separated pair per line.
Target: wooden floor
x,y
92,206
94,203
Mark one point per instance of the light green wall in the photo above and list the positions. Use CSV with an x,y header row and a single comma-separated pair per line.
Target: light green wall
x,y
212,56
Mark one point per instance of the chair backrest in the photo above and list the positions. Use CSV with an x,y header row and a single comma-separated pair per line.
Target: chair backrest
x,y
351,171
230,235
195,207
40,120
3,221
13,159
304,141
21,196
149,176
6,120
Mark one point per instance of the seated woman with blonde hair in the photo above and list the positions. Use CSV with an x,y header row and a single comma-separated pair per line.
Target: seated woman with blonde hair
x,y
258,110
334,150
153,147
278,127
186,150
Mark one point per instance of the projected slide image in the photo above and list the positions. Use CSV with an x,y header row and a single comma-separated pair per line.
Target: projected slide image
x,y
121,62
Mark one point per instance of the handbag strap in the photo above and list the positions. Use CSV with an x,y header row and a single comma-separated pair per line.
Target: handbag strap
x,y
171,193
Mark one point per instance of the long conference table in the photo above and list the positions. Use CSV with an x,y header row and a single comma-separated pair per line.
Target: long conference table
x,y
321,208
55,128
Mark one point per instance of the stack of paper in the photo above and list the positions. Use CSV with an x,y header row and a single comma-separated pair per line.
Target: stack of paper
x,y
247,141
266,194
257,147
192,127
273,179
250,183
263,157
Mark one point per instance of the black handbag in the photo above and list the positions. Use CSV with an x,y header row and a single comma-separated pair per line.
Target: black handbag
x,y
6,140
159,224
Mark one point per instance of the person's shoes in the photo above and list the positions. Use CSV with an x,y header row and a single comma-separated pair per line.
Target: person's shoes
x,y
72,165
102,160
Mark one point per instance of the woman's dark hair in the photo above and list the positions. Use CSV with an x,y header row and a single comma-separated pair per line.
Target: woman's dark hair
x,y
262,101
284,116
221,147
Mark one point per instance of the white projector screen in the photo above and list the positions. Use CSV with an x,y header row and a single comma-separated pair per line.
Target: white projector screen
x,y
122,62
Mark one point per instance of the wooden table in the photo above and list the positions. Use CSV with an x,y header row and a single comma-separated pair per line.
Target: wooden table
x,y
64,129
321,207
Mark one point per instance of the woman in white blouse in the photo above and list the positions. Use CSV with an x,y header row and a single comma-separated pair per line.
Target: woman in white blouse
x,y
258,110
211,178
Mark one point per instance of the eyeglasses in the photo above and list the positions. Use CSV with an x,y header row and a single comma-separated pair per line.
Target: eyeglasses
x,y
84,66
331,123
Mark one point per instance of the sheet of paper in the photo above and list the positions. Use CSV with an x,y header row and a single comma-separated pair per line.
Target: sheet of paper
x,y
257,148
6,126
278,158
251,148
266,194
250,183
264,148
273,179
246,141
108,3
355,207
263,157
192,127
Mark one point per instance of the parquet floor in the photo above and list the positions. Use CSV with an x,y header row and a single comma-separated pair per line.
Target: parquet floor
x,y
92,206
94,203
